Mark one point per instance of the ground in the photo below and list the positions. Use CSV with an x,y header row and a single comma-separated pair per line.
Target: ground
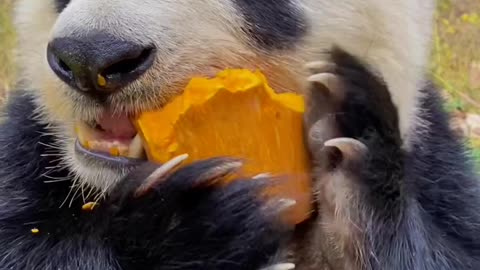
x,y
455,61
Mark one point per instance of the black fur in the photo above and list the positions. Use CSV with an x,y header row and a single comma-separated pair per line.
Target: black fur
x,y
180,224
272,24
60,5
410,208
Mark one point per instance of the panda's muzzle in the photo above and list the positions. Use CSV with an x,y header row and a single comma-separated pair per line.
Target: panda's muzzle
x,y
99,64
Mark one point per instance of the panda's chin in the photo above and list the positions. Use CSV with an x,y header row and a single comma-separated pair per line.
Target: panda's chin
x,y
99,170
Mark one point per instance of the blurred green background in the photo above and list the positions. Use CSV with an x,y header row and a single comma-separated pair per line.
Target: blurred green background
x,y
455,61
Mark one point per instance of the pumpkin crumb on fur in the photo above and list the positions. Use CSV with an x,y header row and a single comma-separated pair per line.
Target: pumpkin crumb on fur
x,y
89,206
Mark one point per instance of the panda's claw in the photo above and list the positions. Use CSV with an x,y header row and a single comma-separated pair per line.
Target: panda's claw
x,y
321,131
262,175
279,205
280,266
225,167
329,84
159,174
329,80
320,67
286,203
351,149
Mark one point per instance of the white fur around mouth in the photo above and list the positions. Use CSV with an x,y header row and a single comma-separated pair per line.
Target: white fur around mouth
x,y
95,139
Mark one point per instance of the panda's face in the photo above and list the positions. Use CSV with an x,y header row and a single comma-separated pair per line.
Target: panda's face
x,y
93,64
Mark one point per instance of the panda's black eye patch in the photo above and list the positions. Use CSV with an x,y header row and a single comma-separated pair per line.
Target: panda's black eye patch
x,y
273,24
61,4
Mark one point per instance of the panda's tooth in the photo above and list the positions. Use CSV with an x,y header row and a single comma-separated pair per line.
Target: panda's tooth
x,y
135,150
123,150
81,136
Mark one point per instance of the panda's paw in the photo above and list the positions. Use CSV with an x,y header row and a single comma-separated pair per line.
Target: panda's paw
x,y
345,99
193,217
325,94
353,131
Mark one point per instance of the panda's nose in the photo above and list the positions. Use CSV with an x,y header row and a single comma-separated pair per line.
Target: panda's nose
x,y
98,64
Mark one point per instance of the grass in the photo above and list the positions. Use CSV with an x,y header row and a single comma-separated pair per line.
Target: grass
x,y
456,53
454,58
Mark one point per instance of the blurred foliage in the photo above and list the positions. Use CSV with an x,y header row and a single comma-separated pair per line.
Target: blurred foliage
x,y
7,45
456,52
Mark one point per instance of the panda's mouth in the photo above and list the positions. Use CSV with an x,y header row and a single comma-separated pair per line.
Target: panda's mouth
x,y
110,137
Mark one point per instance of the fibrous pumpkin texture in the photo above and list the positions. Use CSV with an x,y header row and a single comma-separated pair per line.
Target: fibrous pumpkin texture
x,y
236,114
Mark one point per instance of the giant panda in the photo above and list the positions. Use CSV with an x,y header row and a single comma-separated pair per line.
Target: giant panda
x,y
393,186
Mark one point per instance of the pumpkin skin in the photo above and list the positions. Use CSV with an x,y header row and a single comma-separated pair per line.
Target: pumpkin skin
x,y
236,114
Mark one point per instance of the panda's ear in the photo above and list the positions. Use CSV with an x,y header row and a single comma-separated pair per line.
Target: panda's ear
x,y
60,5
272,24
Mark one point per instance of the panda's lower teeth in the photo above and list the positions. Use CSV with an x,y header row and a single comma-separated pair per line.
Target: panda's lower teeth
x,y
117,149
113,148
96,140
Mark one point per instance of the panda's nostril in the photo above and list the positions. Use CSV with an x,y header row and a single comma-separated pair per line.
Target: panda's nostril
x,y
128,65
64,66
127,69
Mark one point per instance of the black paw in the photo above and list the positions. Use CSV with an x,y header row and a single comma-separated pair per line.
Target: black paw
x,y
190,218
347,100
353,127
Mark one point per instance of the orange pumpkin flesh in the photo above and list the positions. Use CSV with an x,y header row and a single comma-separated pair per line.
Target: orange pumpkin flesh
x,y
236,114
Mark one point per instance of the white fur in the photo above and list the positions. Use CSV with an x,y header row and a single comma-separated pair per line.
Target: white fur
x,y
202,37
392,36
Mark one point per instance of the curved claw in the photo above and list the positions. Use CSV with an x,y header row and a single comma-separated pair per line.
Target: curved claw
x,y
225,168
329,80
351,149
280,266
279,205
159,174
320,67
262,175
329,84
321,131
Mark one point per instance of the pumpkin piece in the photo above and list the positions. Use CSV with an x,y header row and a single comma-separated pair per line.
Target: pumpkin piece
x,y
236,114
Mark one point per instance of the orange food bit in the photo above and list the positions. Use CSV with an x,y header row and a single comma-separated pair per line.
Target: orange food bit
x,y
114,152
89,206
